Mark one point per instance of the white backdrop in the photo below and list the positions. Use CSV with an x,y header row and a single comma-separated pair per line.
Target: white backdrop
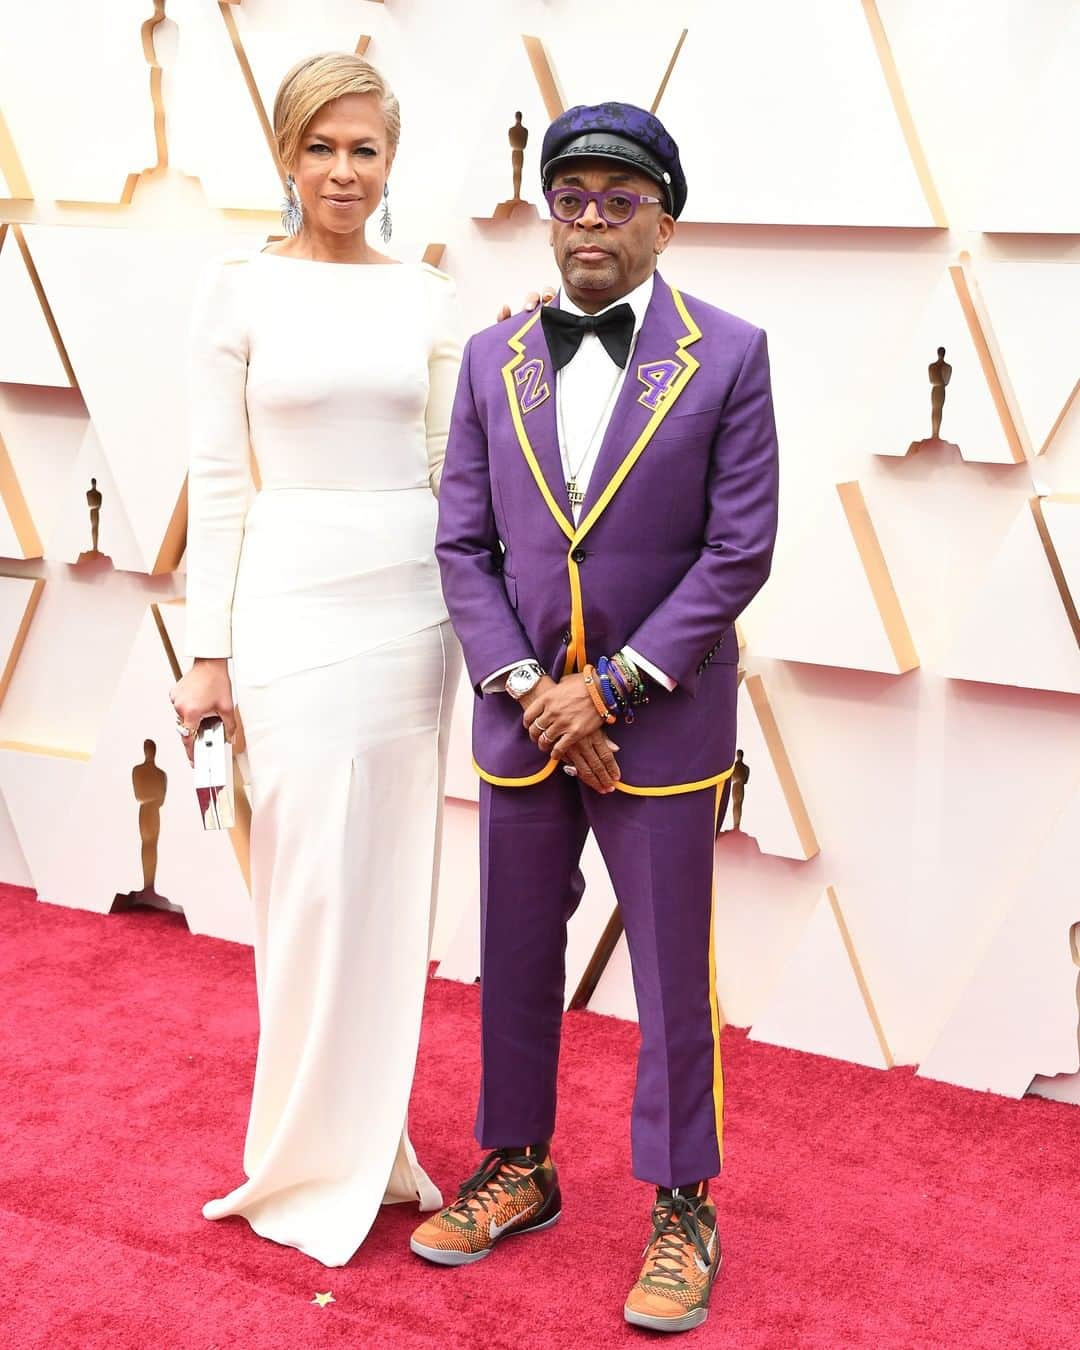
x,y
868,182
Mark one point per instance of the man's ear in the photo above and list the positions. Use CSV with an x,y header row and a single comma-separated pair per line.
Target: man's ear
x,y
665,229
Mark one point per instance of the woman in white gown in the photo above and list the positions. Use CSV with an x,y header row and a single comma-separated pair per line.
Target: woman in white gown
x,y
335,370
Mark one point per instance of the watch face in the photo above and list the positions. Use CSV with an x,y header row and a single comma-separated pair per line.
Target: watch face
x,y
521,680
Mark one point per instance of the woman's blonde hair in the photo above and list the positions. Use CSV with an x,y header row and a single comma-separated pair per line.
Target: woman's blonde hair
x,y
317,81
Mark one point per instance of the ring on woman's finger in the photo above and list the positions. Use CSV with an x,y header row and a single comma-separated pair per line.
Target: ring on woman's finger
x,y
184,729
569,770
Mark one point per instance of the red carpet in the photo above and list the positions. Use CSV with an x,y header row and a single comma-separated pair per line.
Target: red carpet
x,y
858,1209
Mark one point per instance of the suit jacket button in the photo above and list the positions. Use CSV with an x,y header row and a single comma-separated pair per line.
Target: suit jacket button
x,y
578,555
567,635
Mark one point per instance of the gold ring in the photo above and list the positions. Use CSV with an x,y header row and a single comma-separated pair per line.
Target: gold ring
x,y
184,729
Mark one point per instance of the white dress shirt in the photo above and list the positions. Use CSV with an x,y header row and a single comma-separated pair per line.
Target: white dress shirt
x,y
586,391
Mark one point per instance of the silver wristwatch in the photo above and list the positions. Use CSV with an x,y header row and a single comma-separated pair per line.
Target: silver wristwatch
x,y
523,678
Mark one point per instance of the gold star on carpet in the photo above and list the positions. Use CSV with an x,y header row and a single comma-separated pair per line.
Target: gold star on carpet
x,y
323,1299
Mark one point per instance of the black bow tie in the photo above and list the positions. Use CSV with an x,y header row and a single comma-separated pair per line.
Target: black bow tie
x,y
564,331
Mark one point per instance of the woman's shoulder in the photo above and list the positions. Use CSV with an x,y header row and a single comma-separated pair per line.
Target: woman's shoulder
x,y
440,290
222,275
218,297
438,276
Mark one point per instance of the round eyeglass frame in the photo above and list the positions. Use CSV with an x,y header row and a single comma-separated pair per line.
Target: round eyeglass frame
x,y
601,199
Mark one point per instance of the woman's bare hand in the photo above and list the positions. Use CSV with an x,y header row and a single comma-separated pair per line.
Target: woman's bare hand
x,y
205,691
533,299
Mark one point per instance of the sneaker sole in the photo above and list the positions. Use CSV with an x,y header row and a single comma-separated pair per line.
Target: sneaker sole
x,y
687,1322
448,1257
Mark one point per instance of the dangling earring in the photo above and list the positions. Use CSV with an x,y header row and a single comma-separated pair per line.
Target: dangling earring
x,y
292,213
386,225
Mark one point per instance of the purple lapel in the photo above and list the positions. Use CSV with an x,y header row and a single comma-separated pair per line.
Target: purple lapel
x,y
658,371
529,379
660,368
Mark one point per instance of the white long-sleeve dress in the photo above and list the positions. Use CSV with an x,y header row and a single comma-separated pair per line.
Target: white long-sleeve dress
x,y
324,590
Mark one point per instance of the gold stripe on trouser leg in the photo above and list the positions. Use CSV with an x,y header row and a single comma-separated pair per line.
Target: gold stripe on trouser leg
x,y
714,1005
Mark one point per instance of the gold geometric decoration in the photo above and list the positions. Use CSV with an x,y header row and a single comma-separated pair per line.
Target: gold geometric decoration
x,y
252,87
92,54
157,102
18,533
123,302
838,146
974,410
654,106
592,64
822,1001
31,349
1063,512
545,77
1033,305
91,525
833,602
772,808
19,598
516,103
12,175
903,113
1030,584
78,817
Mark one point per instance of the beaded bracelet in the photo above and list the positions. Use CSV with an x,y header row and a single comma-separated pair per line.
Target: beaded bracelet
x,y
607,691
639,692
623,689
620,678
595,694
613,695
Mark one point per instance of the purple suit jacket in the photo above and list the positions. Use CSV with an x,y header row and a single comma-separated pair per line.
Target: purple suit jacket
x,y
675,537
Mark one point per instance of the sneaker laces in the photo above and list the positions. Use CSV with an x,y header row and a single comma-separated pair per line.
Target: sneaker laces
x,y
493,1175
675,1223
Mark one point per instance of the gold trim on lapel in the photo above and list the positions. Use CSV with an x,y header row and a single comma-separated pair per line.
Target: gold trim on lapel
x,y
678,384
576,656
518,347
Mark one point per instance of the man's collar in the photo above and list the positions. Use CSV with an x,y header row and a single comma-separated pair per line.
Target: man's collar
x,y
638,300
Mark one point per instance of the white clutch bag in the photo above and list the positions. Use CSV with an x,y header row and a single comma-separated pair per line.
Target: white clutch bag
x,y
214,776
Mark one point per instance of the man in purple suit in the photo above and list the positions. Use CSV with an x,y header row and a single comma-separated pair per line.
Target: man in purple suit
x,y
608,508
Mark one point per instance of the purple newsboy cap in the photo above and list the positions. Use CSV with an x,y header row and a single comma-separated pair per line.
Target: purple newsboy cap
x,y
617,131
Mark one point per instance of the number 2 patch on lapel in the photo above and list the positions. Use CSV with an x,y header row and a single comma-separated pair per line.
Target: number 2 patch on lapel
x,y
656,376
532,386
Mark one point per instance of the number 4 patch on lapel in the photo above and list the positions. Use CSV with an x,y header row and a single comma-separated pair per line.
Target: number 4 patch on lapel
x,y
656,376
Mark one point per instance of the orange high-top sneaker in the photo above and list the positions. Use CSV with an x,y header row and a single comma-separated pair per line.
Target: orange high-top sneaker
x,y
681,1261
515,1190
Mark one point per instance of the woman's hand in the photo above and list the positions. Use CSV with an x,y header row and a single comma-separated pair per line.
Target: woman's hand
x,y
205,691
533,299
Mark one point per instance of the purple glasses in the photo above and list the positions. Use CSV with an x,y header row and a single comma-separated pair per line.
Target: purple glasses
x,y
616,205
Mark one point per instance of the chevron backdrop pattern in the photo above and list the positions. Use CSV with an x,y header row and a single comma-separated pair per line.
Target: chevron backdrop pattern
x,y
870,180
